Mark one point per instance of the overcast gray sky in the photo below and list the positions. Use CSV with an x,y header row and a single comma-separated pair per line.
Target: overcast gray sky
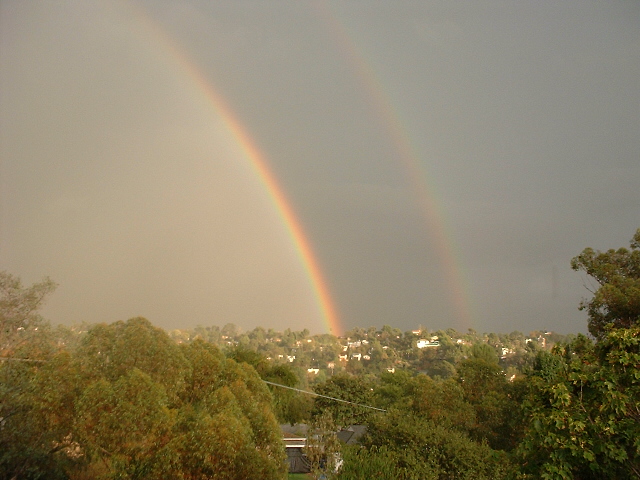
x,y
440,157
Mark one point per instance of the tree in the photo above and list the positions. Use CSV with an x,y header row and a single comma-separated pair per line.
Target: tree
x,y
289,406
205,374
130,403
584,403
37,410
394,389
19,306
226,427
442,369
420,449
110,351
584,408
123,423
323,447
33,417
616,300
442,402
230,330
494,399
349,388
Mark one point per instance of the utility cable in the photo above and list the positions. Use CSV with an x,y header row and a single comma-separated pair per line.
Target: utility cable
x,y
265,381
13,359
325,396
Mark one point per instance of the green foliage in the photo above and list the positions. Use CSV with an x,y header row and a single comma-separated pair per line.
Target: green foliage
x,y
242,354
19,318
345,387
123,422
442,402
33,419
484,353
205,375
616,301
228,435
584,409
110,351
418,449
371,463
289,406
442,369
129,403
498,418
36,420
323,447
393,389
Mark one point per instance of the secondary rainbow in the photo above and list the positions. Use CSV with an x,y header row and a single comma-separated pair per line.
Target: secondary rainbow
x,y
415,172
258,163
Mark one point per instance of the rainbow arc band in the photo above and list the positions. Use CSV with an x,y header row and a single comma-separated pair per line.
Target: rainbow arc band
x,y
255,157
408,158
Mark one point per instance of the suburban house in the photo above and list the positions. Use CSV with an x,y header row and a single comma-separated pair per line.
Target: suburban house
x,y
295,440
427,343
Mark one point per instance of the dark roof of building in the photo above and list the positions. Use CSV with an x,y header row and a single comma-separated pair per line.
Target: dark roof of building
x,y
352,434
295,435
299,429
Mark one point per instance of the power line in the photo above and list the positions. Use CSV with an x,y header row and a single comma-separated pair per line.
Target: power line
x,y
325,396
13,359
313,394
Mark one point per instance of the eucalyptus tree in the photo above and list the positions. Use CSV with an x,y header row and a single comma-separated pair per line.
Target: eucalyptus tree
x,y
19,317
616,295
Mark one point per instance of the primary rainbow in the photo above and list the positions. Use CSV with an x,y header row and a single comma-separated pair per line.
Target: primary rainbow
x,y
258,163
415,172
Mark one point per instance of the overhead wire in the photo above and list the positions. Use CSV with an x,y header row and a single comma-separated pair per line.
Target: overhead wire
x,y
314,394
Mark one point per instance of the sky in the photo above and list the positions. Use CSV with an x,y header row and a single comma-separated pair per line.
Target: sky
x,y
319,165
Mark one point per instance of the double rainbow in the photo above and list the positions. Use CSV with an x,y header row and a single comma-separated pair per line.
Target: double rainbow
x,y
415,173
